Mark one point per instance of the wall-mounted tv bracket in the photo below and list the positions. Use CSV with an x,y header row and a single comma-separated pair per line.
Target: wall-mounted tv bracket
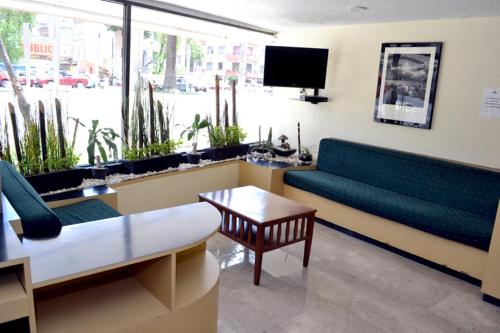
x,y
314,99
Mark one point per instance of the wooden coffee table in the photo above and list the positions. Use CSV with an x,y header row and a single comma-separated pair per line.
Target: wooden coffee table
x,y
262,221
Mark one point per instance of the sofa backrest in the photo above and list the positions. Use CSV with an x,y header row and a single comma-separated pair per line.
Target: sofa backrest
x,y
463,187
37,219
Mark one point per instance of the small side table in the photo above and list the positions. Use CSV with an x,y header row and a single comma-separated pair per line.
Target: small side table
x,y
262,221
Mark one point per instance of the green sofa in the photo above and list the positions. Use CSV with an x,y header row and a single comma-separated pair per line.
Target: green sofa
x,y
449,200
37,219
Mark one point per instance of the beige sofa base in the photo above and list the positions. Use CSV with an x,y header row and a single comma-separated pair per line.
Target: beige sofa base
x,y
459,257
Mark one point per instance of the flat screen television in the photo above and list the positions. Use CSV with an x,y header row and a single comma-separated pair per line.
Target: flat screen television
x,y
298,67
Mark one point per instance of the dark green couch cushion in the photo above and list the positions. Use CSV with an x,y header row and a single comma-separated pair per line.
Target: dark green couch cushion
x,y
444,221
37,219
85,211
466,188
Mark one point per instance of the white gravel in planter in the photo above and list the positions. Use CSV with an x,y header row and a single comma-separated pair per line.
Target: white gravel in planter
x,y
118,178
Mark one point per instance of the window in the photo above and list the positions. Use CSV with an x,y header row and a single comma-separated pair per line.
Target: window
x,y
189,85
76,57
250,51
76,54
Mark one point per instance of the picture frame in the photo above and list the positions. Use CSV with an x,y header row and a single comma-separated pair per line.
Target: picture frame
x,y
407,83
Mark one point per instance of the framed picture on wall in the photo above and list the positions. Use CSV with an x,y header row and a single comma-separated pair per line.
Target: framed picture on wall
x,y
407,83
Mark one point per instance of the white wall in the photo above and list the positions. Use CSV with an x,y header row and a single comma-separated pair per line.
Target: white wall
x,y
470,62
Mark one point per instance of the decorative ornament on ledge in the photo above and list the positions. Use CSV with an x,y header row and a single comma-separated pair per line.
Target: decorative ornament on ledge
x,y
284,148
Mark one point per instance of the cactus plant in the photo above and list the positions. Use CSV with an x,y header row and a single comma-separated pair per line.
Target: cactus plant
x,y
217,101
43,131
233,93
152,128
15,132
60,129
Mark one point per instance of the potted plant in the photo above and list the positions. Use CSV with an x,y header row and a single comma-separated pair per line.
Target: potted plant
x,y
43,154
192,135
306,156
225,142
151,148
263,148
152,158
96,136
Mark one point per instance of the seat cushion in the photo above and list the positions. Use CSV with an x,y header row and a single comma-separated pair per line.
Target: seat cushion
x,y
85,211
444,221
462,187
37,219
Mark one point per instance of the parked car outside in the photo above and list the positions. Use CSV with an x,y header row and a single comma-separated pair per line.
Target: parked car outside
x,y
4,79
66,79
21,77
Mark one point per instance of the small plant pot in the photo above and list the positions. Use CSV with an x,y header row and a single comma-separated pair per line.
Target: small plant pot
x,y
306,158
193,158
99,173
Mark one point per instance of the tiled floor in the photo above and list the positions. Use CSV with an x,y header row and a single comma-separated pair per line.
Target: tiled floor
x,y
350,286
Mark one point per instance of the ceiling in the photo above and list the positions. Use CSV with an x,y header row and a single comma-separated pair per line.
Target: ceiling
x,y
282,15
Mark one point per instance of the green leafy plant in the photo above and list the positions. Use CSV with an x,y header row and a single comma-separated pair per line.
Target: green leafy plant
x,y
5,152
161,149
194,130
96,136
159,142
269,142
234,135
62,163
31,150
216,136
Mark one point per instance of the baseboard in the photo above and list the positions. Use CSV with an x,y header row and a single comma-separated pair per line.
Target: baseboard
x,y
492,300
402,253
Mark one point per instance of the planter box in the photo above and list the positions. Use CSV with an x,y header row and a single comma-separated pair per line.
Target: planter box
x,y
222,153
116,167
58,180
152,164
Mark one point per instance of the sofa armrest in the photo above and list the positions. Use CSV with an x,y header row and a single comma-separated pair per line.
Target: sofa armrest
x,y
491,278
101,192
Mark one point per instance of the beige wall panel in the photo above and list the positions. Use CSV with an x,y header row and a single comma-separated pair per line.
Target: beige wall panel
x,y
459,257
491,281
174,189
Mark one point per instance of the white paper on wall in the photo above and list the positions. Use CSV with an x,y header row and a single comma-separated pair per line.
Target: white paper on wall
x,y
490,107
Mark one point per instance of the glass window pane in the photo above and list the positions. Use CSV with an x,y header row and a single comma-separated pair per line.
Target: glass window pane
x,y
70,50
186,86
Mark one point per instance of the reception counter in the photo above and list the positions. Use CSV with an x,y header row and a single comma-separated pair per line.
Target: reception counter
x,y
145,272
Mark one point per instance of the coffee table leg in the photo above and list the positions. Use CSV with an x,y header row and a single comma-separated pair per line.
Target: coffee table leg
x,y
259,252
308,243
